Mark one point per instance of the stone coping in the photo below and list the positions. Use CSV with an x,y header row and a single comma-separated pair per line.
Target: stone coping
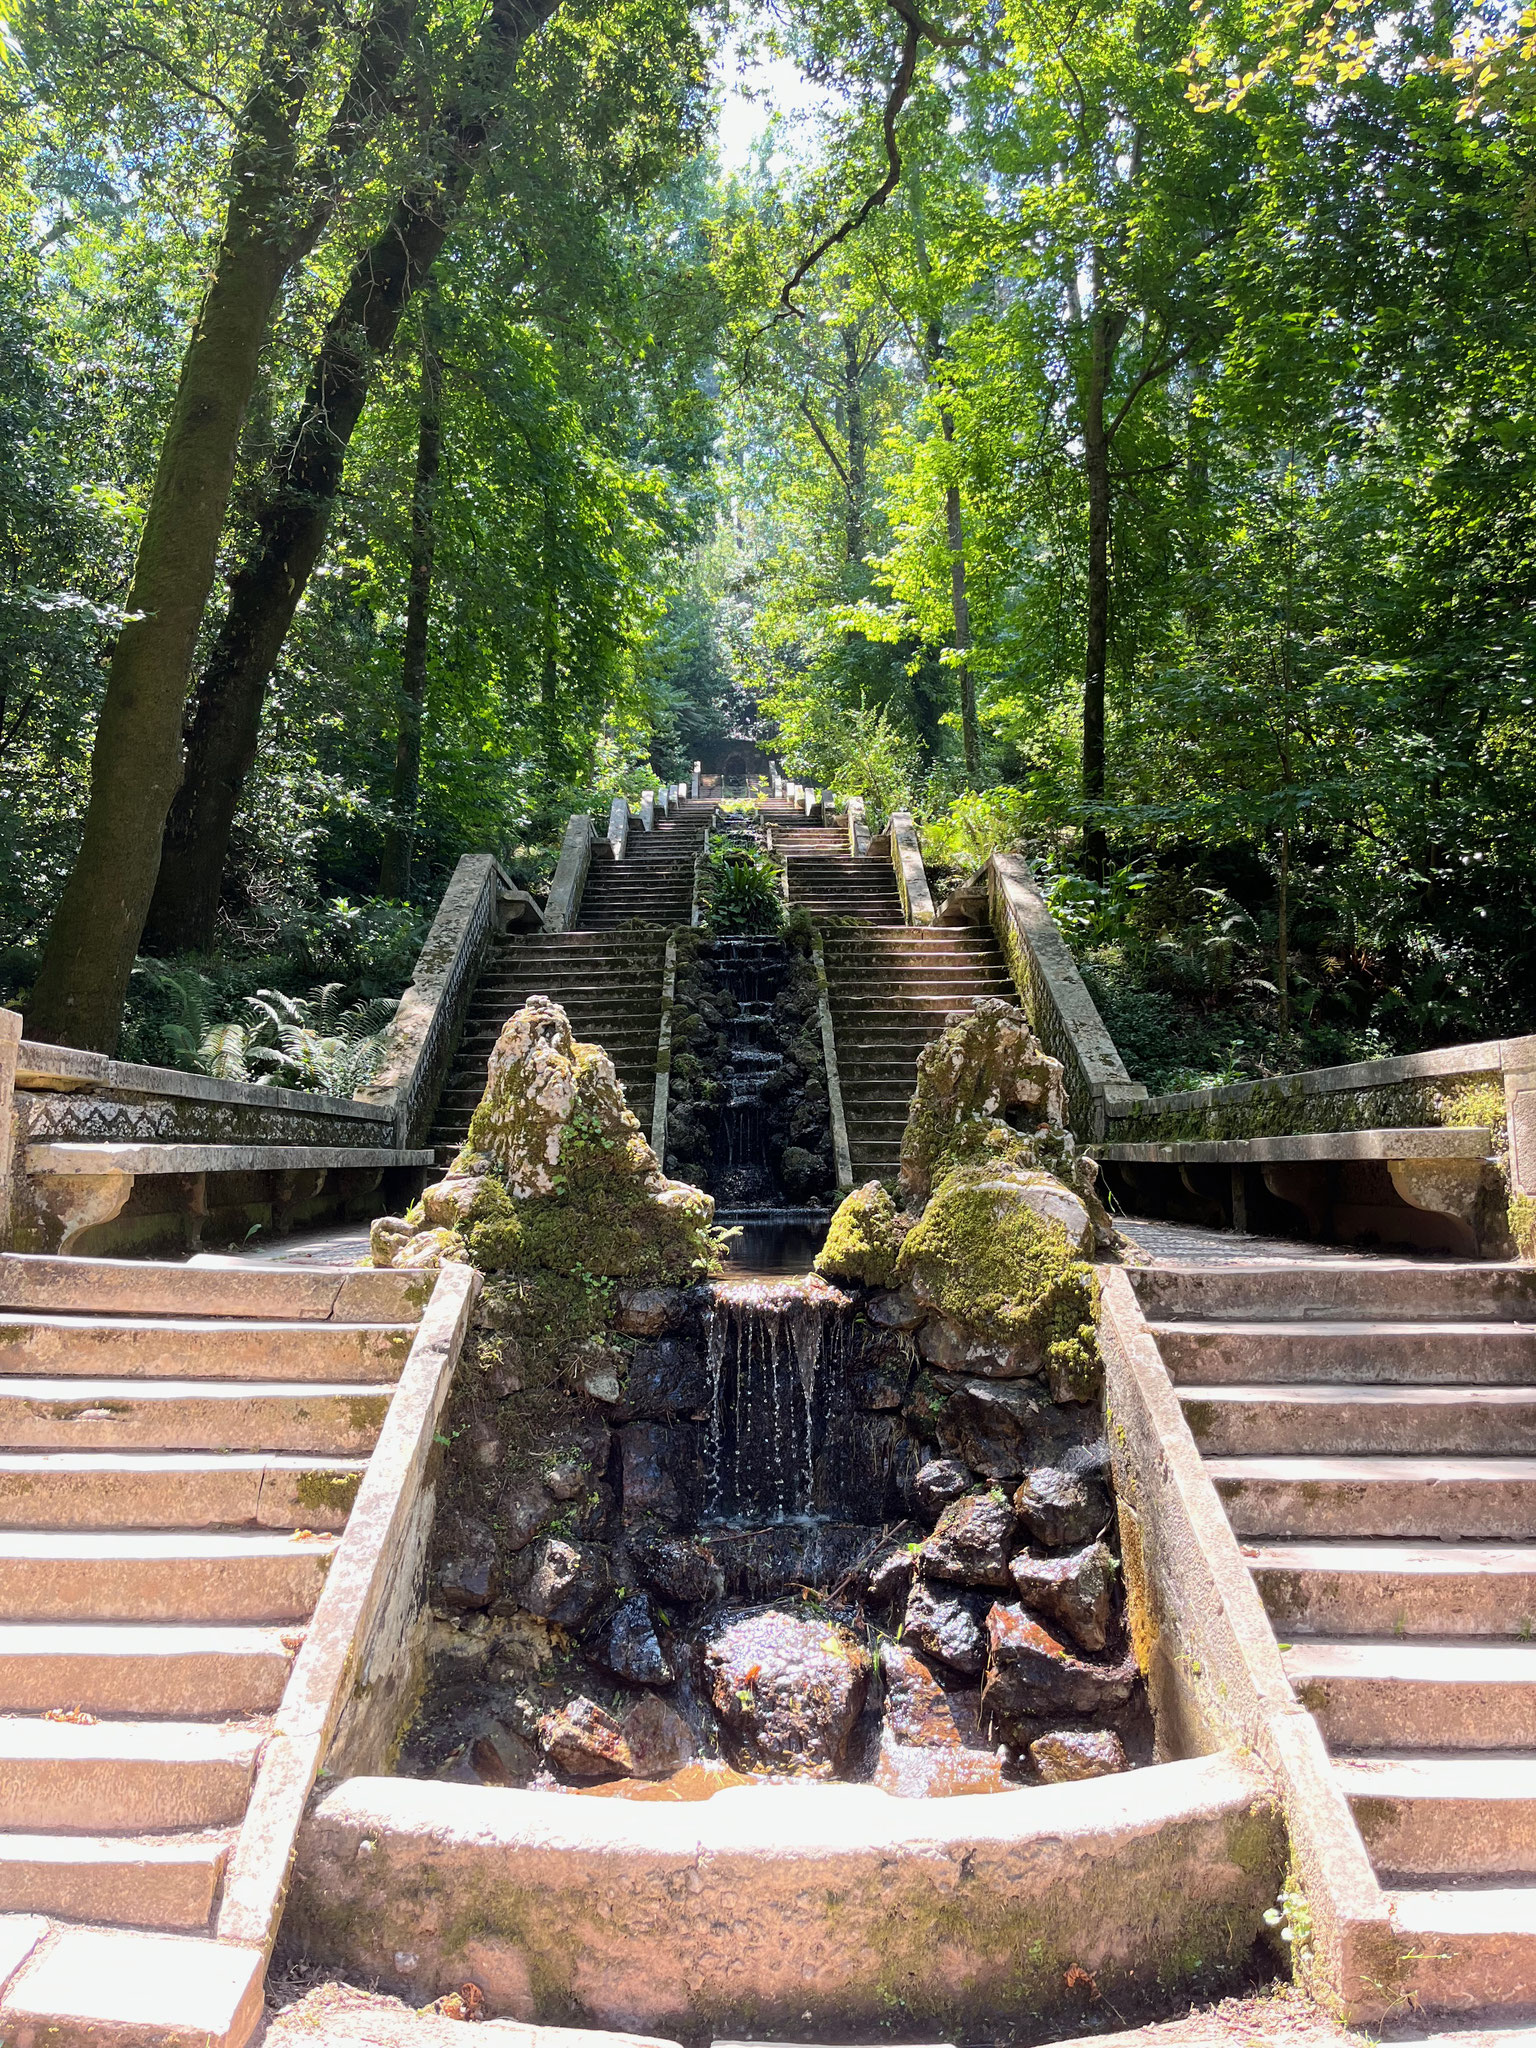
x,y
63,1156
736,1912
52,1068
911,875
1494,1056
1429,1142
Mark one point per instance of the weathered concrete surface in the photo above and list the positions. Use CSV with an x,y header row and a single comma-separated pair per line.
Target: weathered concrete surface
x,y
333,2014
737,1912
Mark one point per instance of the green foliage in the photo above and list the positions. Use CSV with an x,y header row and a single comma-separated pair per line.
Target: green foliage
x,y
291,1042
741,892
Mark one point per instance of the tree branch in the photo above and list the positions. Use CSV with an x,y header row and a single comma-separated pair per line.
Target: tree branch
x,y
804,403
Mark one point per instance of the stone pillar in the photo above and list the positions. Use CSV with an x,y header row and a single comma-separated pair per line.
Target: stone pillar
x,y
564,904
648,810
1517,1056
698,770
911,875
858,826
10,1040
618,827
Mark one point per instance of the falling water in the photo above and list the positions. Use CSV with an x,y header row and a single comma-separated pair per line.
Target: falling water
x,y
778,1356
751,969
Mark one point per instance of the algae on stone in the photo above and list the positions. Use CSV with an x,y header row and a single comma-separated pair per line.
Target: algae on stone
x,y
864,1238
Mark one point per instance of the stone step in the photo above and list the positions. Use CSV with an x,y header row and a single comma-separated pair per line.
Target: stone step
x,y
149,1575
181,1670
149,1288
1447,1694
118,1347
1341,1290
161,1881
1425,1353
1428,1816
1237,1420
1466,1950
1397,1589
1453,1497
192,1415
110,1776
175,1490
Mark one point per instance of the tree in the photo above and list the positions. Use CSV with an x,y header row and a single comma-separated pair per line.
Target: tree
x,y
275,211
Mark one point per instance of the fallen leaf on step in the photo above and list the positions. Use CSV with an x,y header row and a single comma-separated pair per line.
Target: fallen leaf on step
x,y
467,2003
76,1714
302,1536
293,1639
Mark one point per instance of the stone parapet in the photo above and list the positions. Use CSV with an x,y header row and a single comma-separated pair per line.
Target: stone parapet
x,y
911,875
564,903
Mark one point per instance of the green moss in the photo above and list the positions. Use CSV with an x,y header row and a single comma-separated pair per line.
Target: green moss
x,y
864,1239
1522,1225
367,1411
332,1492
988,1261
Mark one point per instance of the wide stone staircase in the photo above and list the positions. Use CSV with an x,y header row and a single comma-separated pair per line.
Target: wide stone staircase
x,y
891,991
824,878
608,983
653,883
182,1445
1370,1427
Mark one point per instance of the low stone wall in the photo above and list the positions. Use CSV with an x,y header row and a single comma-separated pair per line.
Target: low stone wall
x,y
737,1913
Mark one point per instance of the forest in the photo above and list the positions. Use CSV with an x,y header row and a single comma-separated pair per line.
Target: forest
x,y
1105,428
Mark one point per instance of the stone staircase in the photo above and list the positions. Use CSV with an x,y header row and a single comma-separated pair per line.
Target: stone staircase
x,y
891,992
653,883
830,883
1370,1427
609,984
180,1448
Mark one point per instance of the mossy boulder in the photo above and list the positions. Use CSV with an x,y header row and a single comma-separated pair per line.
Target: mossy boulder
x,y
986,1077
864,1238
994,1252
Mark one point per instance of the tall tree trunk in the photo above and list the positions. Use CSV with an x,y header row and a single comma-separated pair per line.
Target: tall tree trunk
x,y
303,481
1096,631
400,835
858,451
954,519
1283,934
273,217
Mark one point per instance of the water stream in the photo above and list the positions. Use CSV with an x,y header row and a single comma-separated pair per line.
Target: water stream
x,y
778,1356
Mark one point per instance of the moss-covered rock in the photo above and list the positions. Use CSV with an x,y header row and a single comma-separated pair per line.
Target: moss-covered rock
x,y
991,1253
864,1238
971,1080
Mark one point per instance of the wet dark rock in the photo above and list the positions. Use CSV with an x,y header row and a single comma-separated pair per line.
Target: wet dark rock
x,y
766,1564
895,1310
972,1542
660,1471
592,1518
469,1577
667,1381
660,1740
576,1468
1030,1673
990,1424
496,1756
1062,1509
879,1389
800,1172
584,1741
648,1311
1069,1754
920,1711
626,1644
564,1582
939,1481
947,1624
1077,1591
789,1688
957,1349
674,1567
864,1468
890,1575
906,1771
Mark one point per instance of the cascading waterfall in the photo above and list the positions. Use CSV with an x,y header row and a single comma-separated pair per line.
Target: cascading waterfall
x,y
778,1356
751,970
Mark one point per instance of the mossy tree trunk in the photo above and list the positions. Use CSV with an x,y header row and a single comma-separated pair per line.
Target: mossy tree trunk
x,y
275,213
303,479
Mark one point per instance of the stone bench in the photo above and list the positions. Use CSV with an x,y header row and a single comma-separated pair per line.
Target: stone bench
x,y
82,1185
1377,1184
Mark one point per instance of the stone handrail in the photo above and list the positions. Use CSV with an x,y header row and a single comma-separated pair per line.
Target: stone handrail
x,y
911,875
858,826
564,903
618,827
1064,1015
426,1025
